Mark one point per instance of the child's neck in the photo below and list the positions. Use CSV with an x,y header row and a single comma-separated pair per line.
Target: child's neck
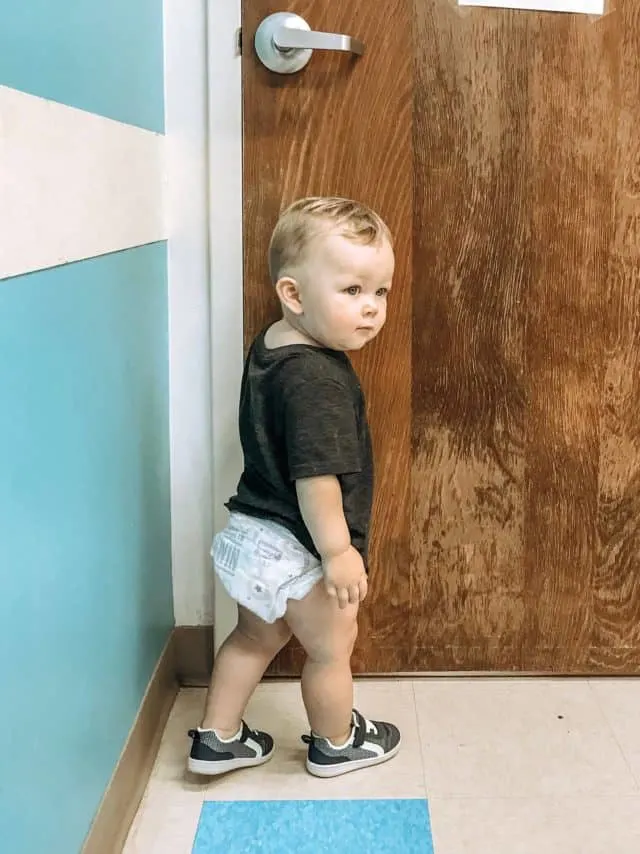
x,y
283,334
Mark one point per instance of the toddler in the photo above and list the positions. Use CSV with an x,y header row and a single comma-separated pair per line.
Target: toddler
x,y
294,553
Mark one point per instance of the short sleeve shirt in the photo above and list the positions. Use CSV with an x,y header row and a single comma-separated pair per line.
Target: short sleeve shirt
x,y
303,414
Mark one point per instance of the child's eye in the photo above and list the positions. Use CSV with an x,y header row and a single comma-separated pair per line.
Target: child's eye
x,y
382,292
353,291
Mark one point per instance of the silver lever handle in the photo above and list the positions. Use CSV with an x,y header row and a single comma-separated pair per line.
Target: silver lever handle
x,y
288,38
285,42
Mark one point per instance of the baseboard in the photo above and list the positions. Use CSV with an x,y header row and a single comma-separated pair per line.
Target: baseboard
x,y
193,655
186,660
122,798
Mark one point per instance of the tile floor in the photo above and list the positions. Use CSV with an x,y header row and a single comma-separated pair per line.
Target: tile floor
x,y
508,766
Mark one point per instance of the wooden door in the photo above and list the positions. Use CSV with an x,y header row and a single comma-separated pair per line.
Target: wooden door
x,y
503,149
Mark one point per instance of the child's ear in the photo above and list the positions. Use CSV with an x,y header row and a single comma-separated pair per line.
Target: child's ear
x,y
288,291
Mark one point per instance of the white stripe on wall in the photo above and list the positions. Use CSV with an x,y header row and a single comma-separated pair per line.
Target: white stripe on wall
x,y
73,184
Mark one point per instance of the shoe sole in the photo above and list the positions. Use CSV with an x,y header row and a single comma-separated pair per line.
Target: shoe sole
x,y
207,768
327,771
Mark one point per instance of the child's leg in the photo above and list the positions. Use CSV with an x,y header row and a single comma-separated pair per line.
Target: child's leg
x,y
239,667
328,635
342,739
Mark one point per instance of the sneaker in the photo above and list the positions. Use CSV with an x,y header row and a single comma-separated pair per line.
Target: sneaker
x,y
211,755
371,743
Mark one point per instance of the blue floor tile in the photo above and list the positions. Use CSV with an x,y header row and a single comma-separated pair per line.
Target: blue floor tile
x,y
314,827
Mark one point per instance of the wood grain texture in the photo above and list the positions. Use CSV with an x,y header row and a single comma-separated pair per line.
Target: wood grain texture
x,y
574,83
615,638
505,391
506,414
472,273
343,126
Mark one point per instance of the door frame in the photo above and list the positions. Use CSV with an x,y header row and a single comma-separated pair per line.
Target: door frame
x,y
224,74
203,204
186,209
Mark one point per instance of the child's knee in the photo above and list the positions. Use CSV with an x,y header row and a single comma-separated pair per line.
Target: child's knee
x,y
335,644
352,637
270,638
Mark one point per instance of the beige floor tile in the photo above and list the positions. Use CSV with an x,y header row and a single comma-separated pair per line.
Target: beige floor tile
x,y
517,738
166,822
620,702
277,708
536,826
170,765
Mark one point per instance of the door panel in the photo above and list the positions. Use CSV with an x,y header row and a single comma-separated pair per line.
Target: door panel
x,y
504,392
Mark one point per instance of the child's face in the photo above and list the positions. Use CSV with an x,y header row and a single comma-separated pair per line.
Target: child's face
x,y
343,288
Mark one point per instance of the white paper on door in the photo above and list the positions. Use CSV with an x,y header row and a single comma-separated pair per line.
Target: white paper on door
x,y
586,7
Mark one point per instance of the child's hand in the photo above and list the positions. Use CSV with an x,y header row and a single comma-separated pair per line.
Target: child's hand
x,y
345,578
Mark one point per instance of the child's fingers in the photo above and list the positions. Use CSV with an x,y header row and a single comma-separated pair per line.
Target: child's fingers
x,y
354,594
343,597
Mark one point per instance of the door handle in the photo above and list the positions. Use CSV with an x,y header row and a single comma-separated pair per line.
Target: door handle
x,y
288,37
285,42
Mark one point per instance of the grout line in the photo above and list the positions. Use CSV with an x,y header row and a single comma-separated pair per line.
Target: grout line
x,y
614,735
422,765
548,798
428,799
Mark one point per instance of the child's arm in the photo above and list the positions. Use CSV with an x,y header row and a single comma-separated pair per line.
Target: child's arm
x,y
320,500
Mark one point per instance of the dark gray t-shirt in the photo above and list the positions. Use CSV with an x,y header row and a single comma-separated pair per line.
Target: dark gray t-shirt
x,y
302,414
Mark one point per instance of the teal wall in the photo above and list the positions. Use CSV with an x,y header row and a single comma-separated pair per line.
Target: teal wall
x,y
85,587
104,57
85,552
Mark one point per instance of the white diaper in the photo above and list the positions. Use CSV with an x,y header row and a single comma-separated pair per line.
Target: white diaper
x,y
262,565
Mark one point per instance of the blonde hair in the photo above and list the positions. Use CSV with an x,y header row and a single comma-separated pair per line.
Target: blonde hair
x,y
305,219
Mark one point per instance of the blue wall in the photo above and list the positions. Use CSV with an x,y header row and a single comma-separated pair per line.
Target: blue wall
x,y
105,57
85,566
85,589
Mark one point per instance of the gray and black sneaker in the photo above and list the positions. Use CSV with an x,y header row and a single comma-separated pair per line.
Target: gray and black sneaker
x,y
211,755
371,743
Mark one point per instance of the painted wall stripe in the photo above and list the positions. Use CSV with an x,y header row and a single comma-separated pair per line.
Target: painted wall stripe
x,y
73,184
